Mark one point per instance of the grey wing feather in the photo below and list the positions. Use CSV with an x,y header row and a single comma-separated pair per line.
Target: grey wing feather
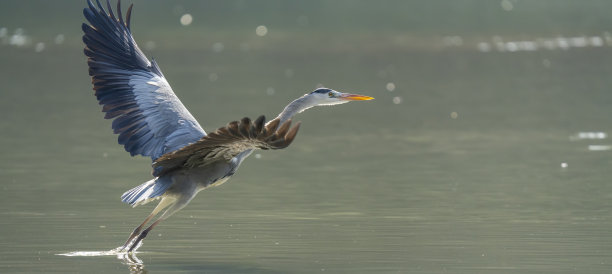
x,y
227,142
149,118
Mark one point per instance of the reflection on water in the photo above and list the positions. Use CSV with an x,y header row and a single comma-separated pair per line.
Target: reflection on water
x,y
599,147
593,137
563,43
589,135
20,39
500,44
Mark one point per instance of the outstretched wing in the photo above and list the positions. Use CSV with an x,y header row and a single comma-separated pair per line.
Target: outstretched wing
x,y
149,118
227,142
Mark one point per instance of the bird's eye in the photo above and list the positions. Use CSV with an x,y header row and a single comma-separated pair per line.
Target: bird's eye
x,y
331,94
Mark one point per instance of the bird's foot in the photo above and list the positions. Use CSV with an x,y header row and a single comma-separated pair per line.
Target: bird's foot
x,y
131,260
134,246
130,247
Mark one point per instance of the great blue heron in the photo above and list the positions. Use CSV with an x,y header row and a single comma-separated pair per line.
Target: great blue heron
x,y
151,121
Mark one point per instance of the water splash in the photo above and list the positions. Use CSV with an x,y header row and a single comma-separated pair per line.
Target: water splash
x,y
92,253
135,264
120,252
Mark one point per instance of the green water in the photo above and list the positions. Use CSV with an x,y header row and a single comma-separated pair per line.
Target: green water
x,y
470,160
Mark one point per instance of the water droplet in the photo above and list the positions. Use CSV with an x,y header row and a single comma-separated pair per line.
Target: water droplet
x,y
270,91
564,165
484,47
562,43
186,19
261,30
578,42
218,47
507,5
18,38
59,39
390,86
454,115
527,46
258,156
397,100
511,46
40,46
596,41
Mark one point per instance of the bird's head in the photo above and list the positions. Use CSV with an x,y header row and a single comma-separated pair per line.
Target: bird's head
x,y
328,97
319,97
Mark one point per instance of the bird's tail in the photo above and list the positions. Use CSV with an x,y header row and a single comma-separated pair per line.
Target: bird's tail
x,y
147,191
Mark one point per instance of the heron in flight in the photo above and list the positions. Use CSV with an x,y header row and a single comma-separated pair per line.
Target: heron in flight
x,y
151,121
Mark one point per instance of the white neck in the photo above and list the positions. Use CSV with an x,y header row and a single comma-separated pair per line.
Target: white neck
x,y
298,105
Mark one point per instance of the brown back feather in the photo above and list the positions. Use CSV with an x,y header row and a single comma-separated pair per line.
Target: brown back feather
x,y
227,142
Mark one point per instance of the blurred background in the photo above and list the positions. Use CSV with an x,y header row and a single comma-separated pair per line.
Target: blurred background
x,y
485,150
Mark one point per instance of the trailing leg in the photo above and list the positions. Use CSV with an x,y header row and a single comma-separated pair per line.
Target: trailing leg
x,y
144,234
174,207
165,202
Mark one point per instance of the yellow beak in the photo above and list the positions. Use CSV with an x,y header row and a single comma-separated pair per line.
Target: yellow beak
x,y
354,97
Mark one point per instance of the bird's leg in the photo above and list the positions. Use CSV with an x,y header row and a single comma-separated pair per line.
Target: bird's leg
x,y
143,234
136,232
176,205
165,202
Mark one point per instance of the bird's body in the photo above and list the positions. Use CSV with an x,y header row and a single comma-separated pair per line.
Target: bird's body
x,y
151,121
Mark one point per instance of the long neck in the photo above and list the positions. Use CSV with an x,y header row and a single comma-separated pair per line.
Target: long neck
x,y
298,105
